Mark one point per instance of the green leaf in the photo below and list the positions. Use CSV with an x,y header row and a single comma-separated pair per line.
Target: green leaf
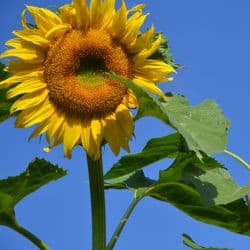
x,y
204,127
184,186
155,150
194,187
187,240
13,189
5,103
226,188
162,53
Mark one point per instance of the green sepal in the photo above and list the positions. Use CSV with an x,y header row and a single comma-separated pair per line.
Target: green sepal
x,y
5,104
163,51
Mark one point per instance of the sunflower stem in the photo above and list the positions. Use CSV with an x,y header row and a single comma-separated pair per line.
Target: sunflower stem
x,y
27,234
96,183
236,157
122,223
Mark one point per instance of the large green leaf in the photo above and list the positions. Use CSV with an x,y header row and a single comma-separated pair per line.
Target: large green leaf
x,y
204,126
195,188
188,241
5,103
13,189
155,150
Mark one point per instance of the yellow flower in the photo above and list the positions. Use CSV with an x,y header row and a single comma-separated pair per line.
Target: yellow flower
x,y
60,71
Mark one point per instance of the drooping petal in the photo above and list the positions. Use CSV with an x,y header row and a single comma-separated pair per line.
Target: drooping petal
x,y
154,70
71,137
125,120
148,85
44,18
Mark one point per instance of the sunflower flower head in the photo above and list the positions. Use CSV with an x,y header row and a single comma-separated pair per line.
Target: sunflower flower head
x,y
61,65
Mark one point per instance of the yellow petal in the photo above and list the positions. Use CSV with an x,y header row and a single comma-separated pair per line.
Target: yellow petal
x,y
82,13
23,53
71,136
41,128
144,54
33,36
44,18
119,22
66,12
34,115
26,87
29,100
88,141
23,67
108,11
113,134
125,120
57,31
19,78
97,131
130,99
148,85
95,11
133,26
23,19
154,70
144,41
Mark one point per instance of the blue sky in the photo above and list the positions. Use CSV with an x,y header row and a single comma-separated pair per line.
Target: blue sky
x,y
211,40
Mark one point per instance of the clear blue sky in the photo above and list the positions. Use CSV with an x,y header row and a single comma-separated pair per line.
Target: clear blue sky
x,y
211,39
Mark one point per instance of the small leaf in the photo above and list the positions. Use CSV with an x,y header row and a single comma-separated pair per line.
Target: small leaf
x,y
155,150
187,240
13,189
204,127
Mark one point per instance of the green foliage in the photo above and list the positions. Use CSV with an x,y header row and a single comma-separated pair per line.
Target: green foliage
x,y
5,103
155,150
204,127
13,189
188,241
202,189
162,53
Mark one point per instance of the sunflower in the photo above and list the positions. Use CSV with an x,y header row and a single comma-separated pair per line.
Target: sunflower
x,y
59,75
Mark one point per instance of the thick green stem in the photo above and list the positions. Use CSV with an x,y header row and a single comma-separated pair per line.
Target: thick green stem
x,y
122,223
40,244
236,157
96,183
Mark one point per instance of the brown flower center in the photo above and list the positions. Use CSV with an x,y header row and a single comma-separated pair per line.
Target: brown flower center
x,y
75,73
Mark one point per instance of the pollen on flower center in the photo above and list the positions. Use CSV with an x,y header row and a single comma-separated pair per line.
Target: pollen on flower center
x,y
75,73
